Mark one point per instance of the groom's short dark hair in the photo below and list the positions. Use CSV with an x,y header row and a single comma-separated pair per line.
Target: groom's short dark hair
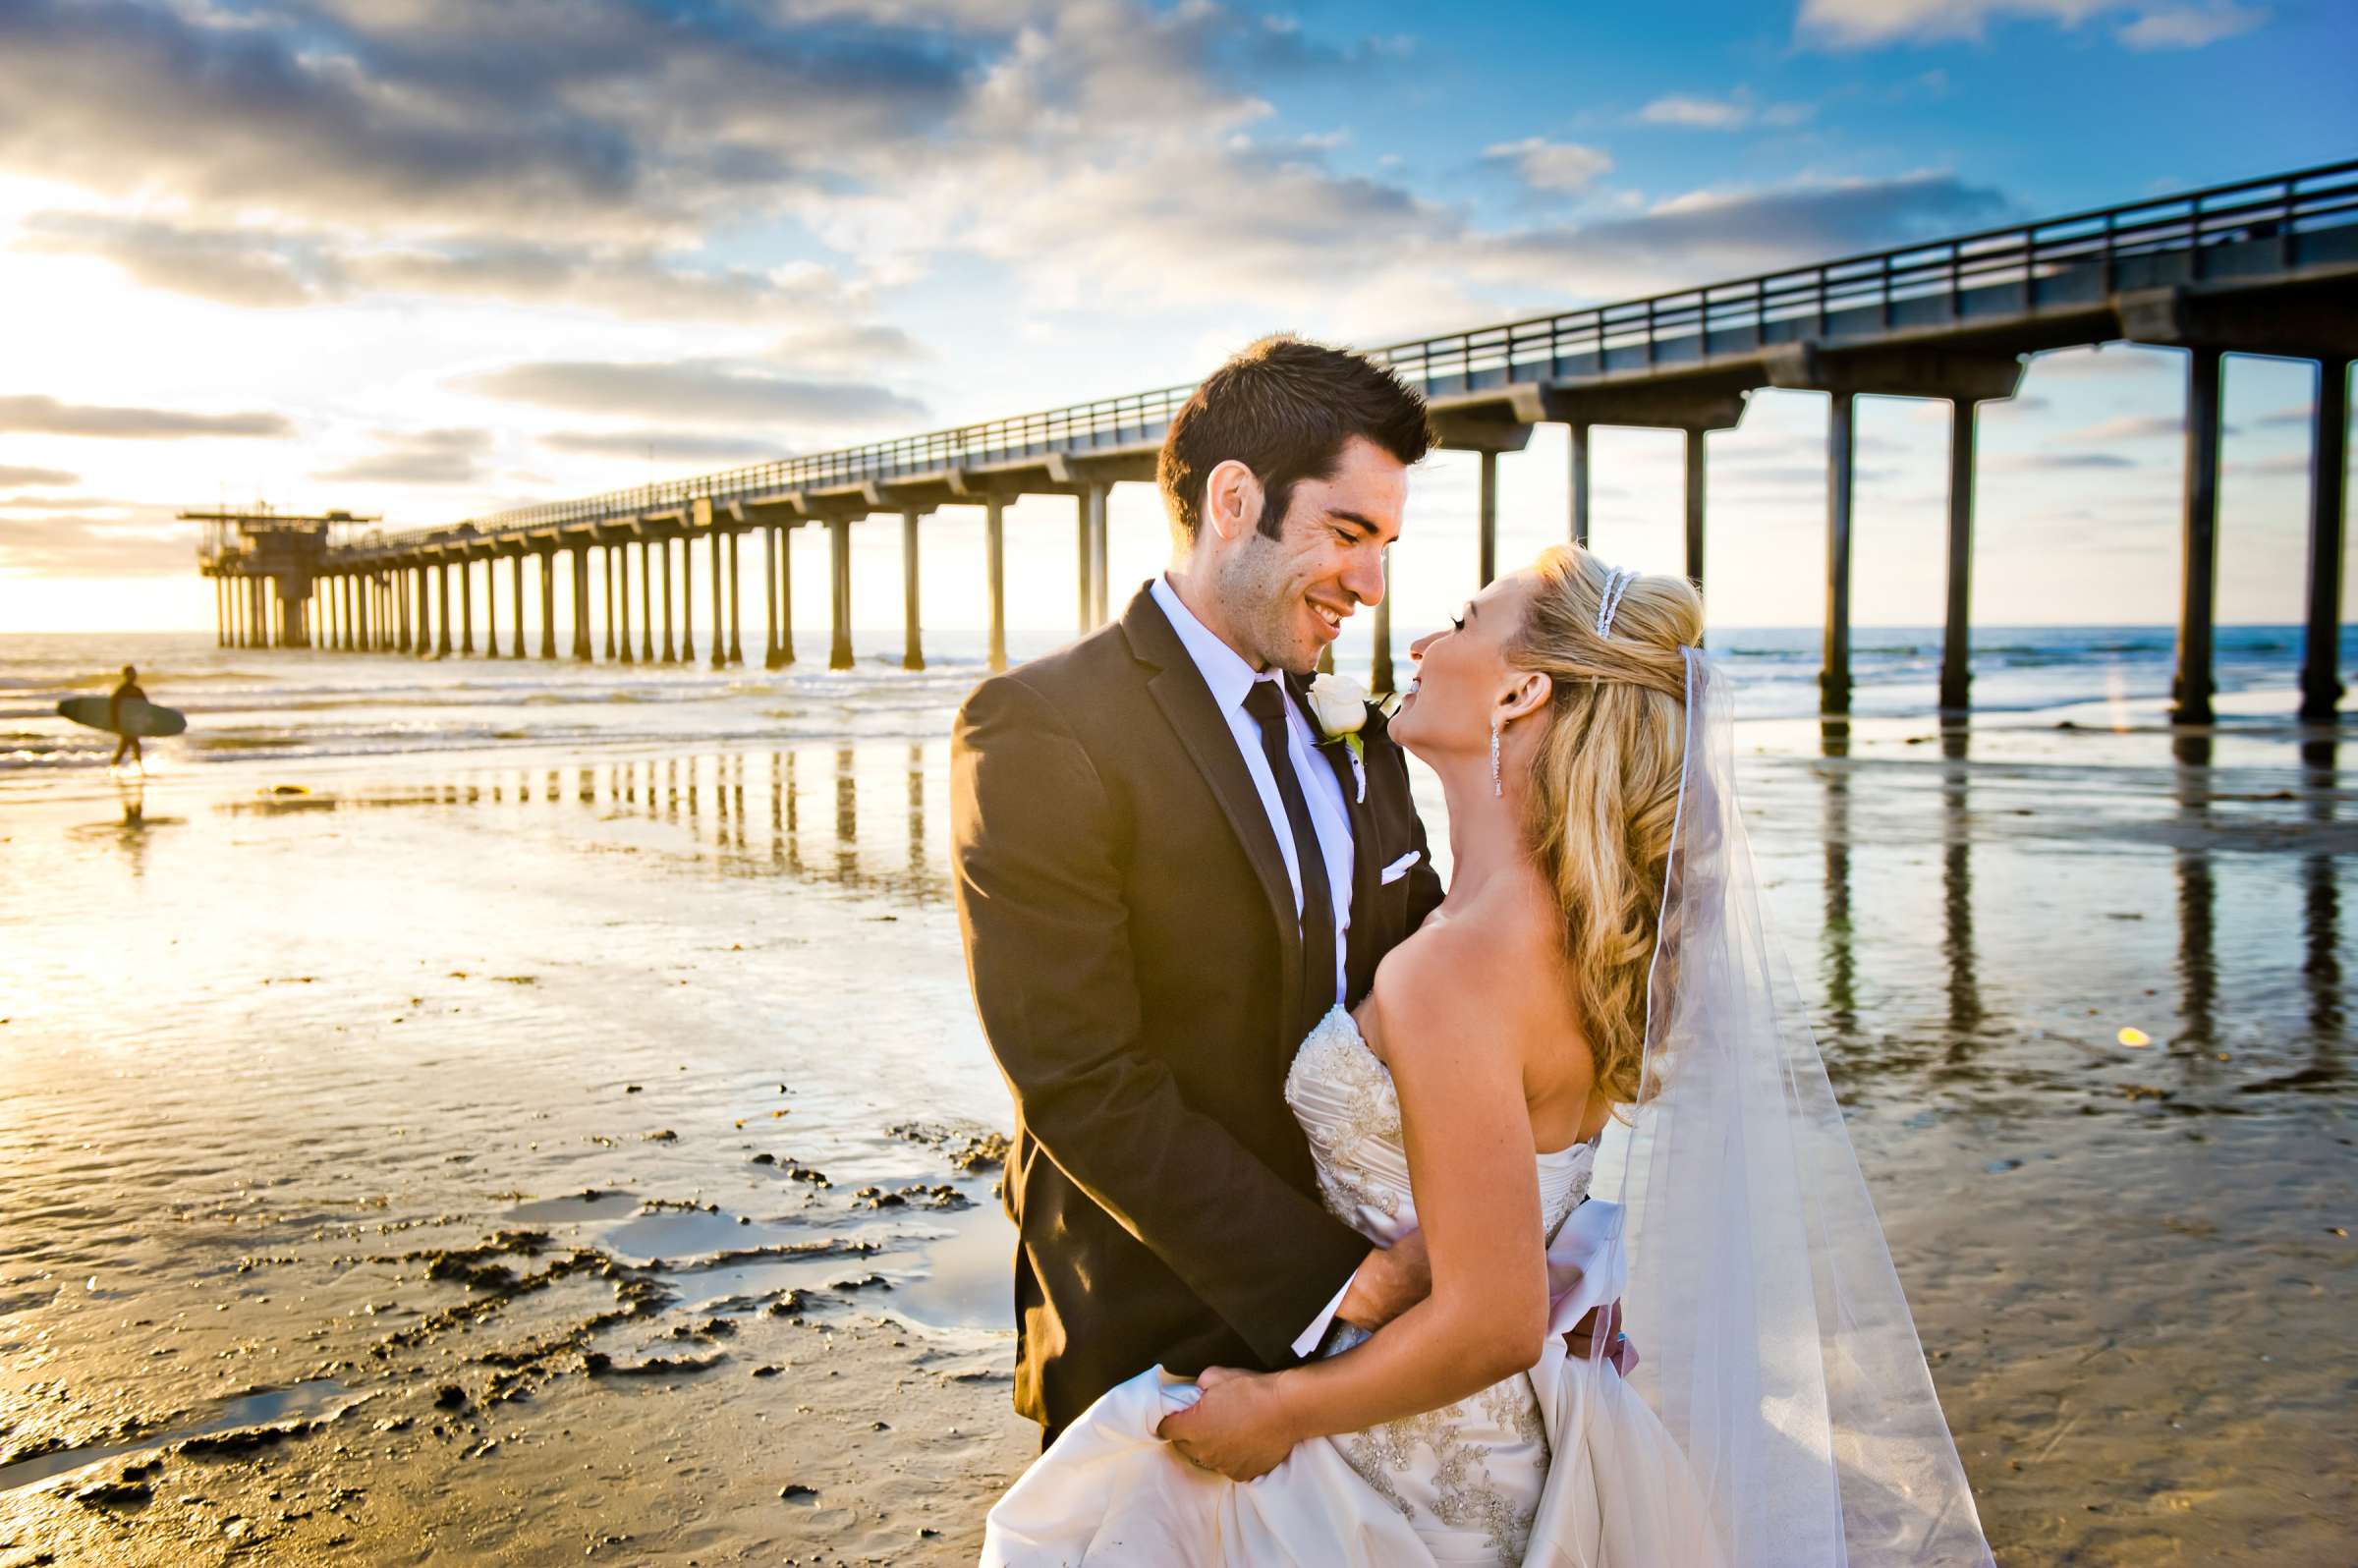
x,y
1284,409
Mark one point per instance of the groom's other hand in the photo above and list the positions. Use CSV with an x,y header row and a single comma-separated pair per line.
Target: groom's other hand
x,y
1388,1283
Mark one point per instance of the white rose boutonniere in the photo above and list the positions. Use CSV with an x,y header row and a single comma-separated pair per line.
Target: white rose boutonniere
x,y
1340,705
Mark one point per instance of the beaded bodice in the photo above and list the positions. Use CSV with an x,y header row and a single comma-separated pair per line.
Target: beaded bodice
x,y
1342,1094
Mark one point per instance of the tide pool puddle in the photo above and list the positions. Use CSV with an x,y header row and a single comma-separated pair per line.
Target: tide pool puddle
x,y
260,1408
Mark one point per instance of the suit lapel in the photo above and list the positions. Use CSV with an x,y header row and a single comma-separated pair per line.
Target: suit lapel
x,y
1360,941
1187,704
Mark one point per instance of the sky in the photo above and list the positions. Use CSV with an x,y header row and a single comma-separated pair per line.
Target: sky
x,y
427,258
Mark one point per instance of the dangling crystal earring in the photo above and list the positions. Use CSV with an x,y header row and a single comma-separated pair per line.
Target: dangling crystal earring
x,y
1497,782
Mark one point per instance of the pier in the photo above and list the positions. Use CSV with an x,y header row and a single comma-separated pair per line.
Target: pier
x,y
2266,266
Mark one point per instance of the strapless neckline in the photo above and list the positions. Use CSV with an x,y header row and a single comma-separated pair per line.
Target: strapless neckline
x,y
1350,1034
1349,1108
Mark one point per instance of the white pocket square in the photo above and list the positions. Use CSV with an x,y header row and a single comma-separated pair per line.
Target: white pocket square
x,y
1399,868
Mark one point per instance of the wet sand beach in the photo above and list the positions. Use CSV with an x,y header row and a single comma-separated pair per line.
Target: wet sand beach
x,y
583,1149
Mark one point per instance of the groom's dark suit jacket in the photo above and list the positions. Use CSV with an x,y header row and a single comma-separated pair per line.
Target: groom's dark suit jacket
x,y
1132,939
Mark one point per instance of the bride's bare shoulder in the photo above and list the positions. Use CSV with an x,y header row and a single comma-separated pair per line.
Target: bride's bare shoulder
x,y
1456,973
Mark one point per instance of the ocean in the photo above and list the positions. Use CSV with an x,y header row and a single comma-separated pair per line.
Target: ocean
x,y
247,705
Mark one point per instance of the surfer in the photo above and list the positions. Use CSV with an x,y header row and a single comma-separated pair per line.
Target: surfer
x,y
129,692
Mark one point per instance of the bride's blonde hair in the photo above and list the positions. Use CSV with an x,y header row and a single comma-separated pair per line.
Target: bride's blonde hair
x,y
1605,783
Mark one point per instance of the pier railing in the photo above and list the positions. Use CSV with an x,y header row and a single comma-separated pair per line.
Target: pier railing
x,y
1685,325
2282,207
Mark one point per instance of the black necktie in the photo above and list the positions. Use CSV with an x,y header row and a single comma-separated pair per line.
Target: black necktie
x,y
1266,703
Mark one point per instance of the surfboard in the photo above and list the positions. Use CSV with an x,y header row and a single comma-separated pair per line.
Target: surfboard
x,y
145,720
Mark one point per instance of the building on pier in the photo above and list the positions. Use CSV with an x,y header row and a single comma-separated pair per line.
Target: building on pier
x,y
266,566
2264,266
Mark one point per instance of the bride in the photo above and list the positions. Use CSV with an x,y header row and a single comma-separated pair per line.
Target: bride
x,y
1596,1002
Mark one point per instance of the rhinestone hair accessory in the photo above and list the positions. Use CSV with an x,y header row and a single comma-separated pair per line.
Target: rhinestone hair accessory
x,y
1617,587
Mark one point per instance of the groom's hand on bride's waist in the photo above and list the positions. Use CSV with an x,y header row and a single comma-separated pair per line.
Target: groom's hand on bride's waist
x,y
1391,1281
1598,1334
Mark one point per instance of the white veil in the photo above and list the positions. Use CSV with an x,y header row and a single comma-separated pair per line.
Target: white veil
x,y
1776,1341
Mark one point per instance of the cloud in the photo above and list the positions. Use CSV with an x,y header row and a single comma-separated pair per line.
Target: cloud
x,y
17,476
76,546
322,151
418,457
276,268
2129,427
1732,113
848,345
2300,463
1700,114
1557,167
1709,235
2303,414
611,116
662,446
222,265
1729,474
627,281
2068,460
70,503
697,389
1872,24
45,415
2191,26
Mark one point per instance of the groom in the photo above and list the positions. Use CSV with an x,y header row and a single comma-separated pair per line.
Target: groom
x,y
1167,873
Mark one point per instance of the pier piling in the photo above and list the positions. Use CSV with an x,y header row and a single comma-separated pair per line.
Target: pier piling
x,y
994,572
785,594
770,599
1956,636
2329,470
664,547
720,642
1841,447
1080,556
2190,692
1578,430
619,559
646,609
1486,522
1101,545
839,563
736,606
581,604
913,653
1696,454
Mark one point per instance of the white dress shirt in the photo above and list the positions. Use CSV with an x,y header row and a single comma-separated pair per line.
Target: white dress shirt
x,y
1230,679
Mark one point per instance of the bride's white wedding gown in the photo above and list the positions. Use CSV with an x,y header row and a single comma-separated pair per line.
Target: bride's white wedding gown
x,y
1548,1466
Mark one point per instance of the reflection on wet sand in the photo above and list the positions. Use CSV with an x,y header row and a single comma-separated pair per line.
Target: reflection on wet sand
x,y
1956,893
705,796
2320,956
1839,958
901,853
